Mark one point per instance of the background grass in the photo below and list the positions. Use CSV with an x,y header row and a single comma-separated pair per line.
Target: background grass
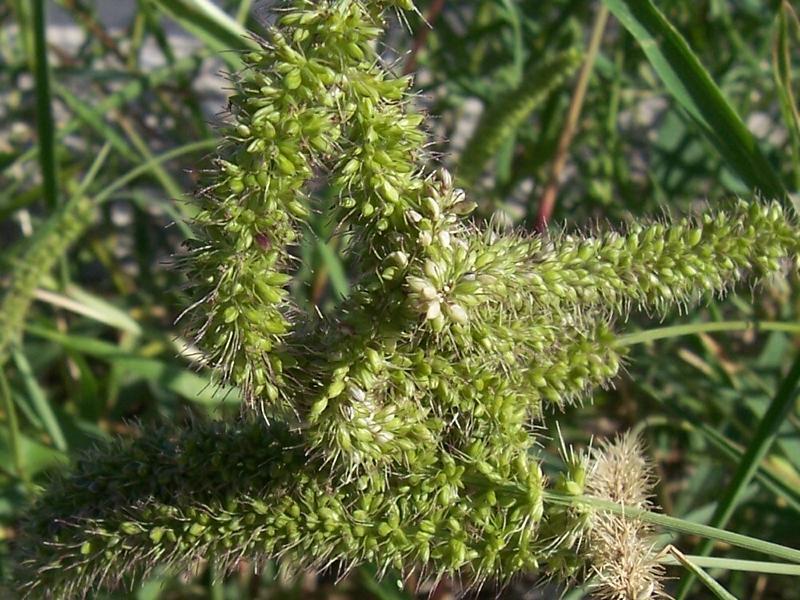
x,y
680,103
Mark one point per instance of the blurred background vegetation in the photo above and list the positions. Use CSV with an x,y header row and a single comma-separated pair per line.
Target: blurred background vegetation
x,y
118,103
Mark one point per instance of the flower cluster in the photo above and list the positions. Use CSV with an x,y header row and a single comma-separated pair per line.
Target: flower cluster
x,y
399,430
623,558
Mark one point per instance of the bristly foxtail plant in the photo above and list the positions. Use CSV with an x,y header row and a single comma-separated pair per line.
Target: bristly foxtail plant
x,y
397,431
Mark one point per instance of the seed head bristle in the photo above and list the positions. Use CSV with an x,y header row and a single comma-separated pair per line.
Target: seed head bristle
x,y
622,552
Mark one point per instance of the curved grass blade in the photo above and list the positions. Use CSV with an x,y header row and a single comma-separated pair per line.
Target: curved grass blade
x,y
693,88
178,379
679,525
39,401
714,587
671,331
220,32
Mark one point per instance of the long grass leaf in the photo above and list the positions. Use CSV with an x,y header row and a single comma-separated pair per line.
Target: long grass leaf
x,y
671,331
45,125
220,32
779,408
736,564
692,87
40,402
178,379
81,302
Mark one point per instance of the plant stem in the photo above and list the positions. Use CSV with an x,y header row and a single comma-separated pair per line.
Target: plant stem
x,y
660,333
422,35
548,200
680,525
735,564
44,109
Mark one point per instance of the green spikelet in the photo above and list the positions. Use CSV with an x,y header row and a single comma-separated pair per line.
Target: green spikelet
x,y
43,250
504,116
399,430
250,491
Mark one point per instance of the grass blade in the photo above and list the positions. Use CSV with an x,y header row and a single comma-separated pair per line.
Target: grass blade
x,y
780,407
13,427
332,264
782,73
178,379
40,403
692,87
94,120
719,592
89,305
219,31
45,125
735,564
671,331
679,525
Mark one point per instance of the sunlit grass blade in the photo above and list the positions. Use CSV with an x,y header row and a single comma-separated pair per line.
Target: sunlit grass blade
x,y
735,564
692,87
714,587
45,125
671,331
780,407
220,32
180,380
81,302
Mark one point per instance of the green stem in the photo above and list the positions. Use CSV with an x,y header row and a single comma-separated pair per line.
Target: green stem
x,y
782,404
44,110
149,164
665,521
680,525
548,199
735,564
660,333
